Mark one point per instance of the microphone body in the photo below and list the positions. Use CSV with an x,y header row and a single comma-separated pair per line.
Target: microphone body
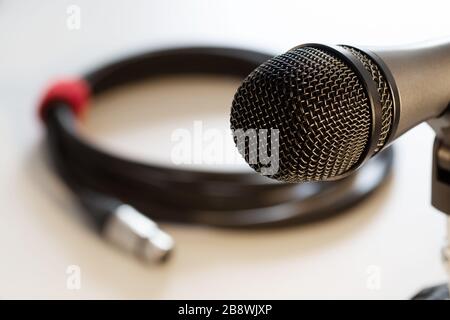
x,y
422,76
337,106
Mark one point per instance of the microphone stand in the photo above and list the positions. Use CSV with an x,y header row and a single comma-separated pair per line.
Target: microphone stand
x,y
440,197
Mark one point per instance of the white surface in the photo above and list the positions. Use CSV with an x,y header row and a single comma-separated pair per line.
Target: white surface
x,y
396,234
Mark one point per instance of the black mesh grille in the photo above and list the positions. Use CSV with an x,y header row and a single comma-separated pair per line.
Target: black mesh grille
x,y
387,109
319,106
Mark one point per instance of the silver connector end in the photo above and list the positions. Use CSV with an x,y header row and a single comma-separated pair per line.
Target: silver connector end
x,y
136,233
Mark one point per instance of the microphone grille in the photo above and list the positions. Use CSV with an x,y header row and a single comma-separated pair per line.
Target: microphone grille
x,y
319,106
384,91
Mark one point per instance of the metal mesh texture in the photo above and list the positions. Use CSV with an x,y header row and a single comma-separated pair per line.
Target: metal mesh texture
x,y
387,102
319,106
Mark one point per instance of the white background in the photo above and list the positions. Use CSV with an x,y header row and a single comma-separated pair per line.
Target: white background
x,y
396,233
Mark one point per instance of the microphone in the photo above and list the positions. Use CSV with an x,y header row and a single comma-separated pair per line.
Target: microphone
x,y
335,107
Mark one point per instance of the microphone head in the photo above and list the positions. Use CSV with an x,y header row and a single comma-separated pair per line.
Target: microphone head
x,y
331,106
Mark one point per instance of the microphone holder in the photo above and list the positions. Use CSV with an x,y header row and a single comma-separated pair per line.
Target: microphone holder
x,y
440,197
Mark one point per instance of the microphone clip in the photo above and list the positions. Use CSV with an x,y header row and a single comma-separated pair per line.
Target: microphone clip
x,y
440,197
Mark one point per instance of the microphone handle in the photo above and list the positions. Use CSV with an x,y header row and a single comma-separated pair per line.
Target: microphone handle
x,y
421,73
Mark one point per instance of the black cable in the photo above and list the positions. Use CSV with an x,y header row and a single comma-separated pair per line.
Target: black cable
x,y
104,183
